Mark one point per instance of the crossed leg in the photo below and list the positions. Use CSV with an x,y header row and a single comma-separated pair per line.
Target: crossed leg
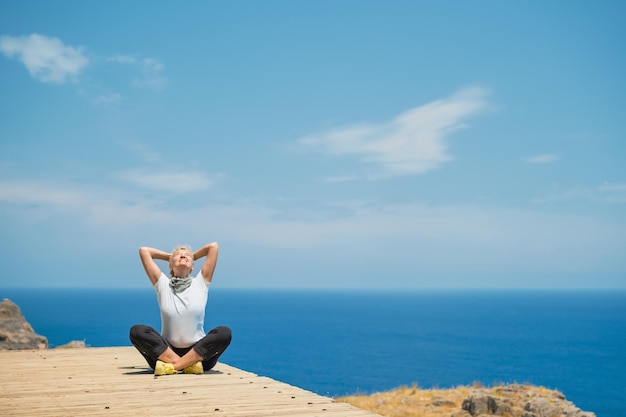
x,y
154,347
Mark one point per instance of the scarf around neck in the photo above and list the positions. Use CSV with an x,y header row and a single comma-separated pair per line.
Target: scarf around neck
x,y
179,284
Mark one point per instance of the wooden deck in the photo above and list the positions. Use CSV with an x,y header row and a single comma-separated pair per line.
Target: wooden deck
x,y
116,381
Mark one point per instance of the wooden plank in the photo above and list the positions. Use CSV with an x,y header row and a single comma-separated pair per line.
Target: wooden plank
x,y
115,381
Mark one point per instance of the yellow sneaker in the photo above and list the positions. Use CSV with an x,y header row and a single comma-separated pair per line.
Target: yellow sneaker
x,y
196,368
162,368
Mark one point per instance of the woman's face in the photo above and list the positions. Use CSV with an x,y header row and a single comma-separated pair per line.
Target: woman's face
x,y
181,263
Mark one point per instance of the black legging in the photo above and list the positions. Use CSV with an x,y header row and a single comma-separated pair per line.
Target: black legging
x,y
151,344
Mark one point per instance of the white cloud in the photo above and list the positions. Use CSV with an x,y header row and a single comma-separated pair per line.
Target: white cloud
x,y
151,75
152,65
144,151
461,235
45,58
404,239
150,69
605,193
36,193
542,159
152,82
612,187
122,59
610,192
62,205
411,143
175,182
509,233
340,178
49,60
113,98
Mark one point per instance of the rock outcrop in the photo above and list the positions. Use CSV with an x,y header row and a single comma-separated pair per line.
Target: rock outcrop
x,y
519,400
15,332
74,344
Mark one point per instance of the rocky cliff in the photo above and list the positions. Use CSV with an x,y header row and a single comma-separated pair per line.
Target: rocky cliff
x,y
518,400
15,332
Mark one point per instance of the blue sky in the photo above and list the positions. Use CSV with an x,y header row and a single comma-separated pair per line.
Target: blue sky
x,y
323,144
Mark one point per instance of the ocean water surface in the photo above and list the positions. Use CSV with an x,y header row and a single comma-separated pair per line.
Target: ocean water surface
x,y
340,342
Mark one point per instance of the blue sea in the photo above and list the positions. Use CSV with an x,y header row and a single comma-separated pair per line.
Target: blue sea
x,y
337,343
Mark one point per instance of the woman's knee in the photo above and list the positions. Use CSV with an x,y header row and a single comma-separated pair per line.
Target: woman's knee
x,y
137,331
224,334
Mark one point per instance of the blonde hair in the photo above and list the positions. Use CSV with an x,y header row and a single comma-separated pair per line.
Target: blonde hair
x,y
179,248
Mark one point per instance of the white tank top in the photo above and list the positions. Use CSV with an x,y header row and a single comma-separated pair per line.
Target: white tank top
x,y
182,314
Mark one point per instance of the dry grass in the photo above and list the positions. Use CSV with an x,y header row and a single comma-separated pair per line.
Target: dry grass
x,y
413,402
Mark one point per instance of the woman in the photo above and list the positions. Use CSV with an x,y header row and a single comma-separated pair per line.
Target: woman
x,y
183,344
